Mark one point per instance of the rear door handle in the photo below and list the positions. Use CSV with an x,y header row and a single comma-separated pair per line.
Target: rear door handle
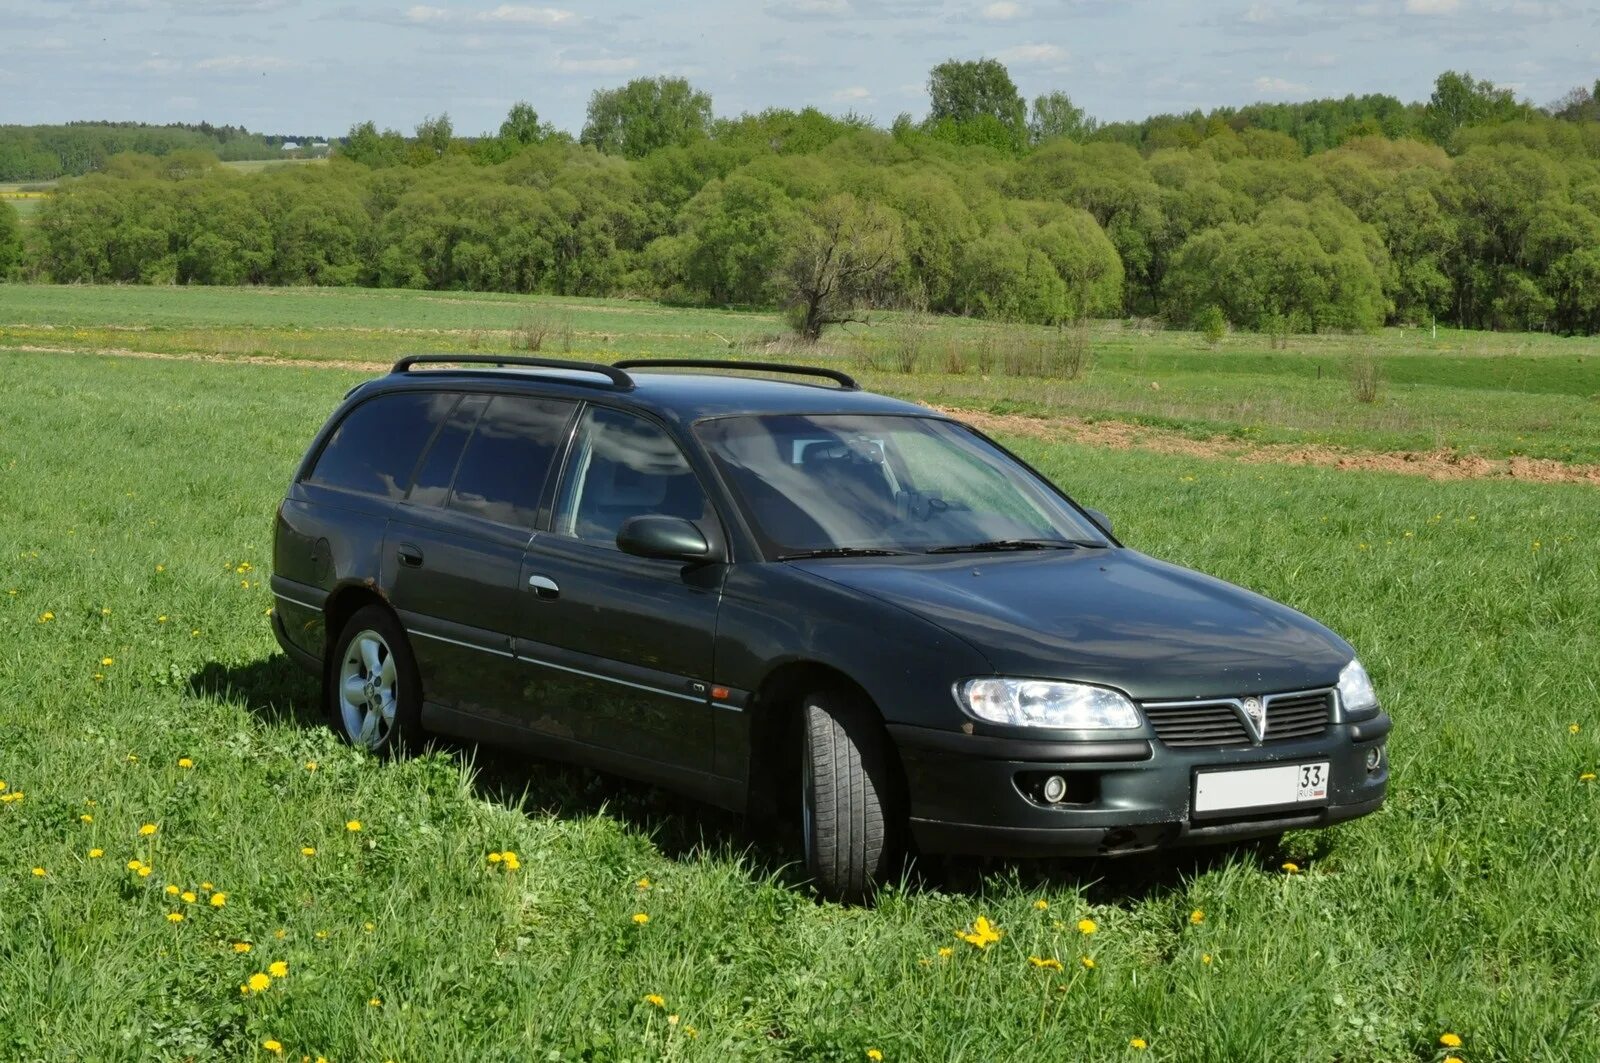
x,y
410,556
545,586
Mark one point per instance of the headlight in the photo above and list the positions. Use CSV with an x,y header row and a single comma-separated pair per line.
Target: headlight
x,y
1355,691
1046,703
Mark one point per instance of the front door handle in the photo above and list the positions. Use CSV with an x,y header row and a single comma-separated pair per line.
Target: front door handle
x,y
545,586
410,556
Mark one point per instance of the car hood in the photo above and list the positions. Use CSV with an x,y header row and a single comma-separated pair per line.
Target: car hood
x,y
1109,616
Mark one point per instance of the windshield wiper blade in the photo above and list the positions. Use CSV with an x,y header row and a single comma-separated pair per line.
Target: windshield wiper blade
x,y
841,551
996,545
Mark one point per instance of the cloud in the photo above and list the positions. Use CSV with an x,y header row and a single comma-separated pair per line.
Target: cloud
x,y
1032,54
421,13
809,8
1432,7
597,65
528,15
1276,86
244,62
853,94
160,65
1002,11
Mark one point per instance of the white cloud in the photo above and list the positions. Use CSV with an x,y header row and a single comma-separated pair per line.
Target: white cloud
x,y
1260,15
424,13
598,65
244,62
1279,86
1002,11
1030,54
528,15
853,94
1432,7
159,65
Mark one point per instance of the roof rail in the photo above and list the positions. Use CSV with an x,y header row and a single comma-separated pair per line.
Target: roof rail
x,y
617,379
844,380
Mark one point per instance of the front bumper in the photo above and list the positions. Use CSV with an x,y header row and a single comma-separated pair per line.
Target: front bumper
x,y
1126,796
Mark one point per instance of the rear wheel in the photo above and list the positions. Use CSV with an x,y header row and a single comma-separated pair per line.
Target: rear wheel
x,y
374,695
849,820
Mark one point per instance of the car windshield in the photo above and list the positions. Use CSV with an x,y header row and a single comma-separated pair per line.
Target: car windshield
x,y
841,484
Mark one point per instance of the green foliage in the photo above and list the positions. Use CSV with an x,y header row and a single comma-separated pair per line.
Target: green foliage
x,y
10,239
645,115
842,261
46,152
1211,324
977,91
1055,115
1460,100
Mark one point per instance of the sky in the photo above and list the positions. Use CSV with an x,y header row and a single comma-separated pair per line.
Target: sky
x,y
319,66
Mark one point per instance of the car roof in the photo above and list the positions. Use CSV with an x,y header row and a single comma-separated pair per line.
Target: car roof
x,y
678,395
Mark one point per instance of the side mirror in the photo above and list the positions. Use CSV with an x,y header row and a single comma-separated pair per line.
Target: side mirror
x,y
664,538
1101,519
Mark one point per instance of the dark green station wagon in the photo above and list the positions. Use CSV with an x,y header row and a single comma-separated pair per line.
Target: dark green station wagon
x,y
790,597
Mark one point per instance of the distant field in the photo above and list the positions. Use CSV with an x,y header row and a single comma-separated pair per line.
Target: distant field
x,y
133,640
26,196
1462,393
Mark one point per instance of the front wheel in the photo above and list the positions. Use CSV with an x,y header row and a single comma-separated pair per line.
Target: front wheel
x,y
374,695
850,824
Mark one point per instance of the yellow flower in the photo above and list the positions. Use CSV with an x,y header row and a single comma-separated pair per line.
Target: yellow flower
x,y
135,864
1088,962
259,983
95,854
171,890
1450,1040
280,934
1587,776
369,927
272,1046
655,998
218,900
208,887
1087,926
945,951
1050,964
185,762
39,872
690,1031
144,871
174,917
46,617
133,758
189,897
982,935
162,619
643,883
161,568
195,633
510,861
278,969
353,826
375,1002
306,850
1138,1044
86,818
107,662
311,765
875,1055
1205,958
147,830
241,947
640,918
1291,868
321,935
1573,728
1041,904
1452,1059
494,858
2,786
1196,917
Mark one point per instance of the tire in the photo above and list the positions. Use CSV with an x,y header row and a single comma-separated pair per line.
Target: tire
x,y
372,691
850,825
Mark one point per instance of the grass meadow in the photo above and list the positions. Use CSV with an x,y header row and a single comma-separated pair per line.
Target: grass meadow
x,y
140,685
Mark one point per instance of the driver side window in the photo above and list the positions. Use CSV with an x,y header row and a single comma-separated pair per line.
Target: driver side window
x,y
624,466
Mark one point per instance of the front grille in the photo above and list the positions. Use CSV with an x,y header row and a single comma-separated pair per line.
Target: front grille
x,y
1218,724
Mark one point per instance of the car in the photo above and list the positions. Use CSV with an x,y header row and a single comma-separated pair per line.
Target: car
x,y
790,597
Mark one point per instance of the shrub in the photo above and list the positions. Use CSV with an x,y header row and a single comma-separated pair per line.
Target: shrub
x,y
1365,376
1211,324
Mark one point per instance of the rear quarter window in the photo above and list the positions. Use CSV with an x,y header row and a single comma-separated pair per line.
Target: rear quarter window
x,y
376,446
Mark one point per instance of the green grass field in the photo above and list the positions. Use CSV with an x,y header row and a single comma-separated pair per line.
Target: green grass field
x,y
140,684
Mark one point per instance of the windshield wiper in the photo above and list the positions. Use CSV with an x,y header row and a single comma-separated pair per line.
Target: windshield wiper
x,y
841,551
996,545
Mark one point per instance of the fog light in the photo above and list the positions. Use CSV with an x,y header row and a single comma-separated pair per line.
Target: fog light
x,y
1055,789
1374,758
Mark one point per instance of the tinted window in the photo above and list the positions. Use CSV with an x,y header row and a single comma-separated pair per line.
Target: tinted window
x,y
624,466
507,461
377,444
431,485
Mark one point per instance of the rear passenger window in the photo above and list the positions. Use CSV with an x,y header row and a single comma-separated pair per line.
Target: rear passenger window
x,y
377,444
503,472
431,486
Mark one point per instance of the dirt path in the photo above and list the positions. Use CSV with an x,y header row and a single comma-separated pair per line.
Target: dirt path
x,y
1117,435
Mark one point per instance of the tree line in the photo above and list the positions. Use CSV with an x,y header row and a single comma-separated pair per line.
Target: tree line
x,y
46,152
1470,209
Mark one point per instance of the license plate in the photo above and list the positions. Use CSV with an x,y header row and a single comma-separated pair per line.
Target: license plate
x,y
1281,784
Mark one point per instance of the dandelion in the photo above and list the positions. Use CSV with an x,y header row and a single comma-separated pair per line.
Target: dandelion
x,y
1450,1040
188,897
1138,1044
353,826
1587,776
218,900
185,763
278,969
1573,728
280,934
875,1055
144,871
369,927
375,1002
133,758
655,998
1087,926
1041,905
1050,964
272,1046
494,858
311,765
39,872
46,617
982,935
1196,917
86,818
306,850
135,864
1291,868
643,884
99,677
147,830
207,887
174,917
241,947
194,633
1452,1059
162,619
107,662
95,854
690,1032
1088,962
945,952
161,568
259,983
640,918
321,935
171,890
510,860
